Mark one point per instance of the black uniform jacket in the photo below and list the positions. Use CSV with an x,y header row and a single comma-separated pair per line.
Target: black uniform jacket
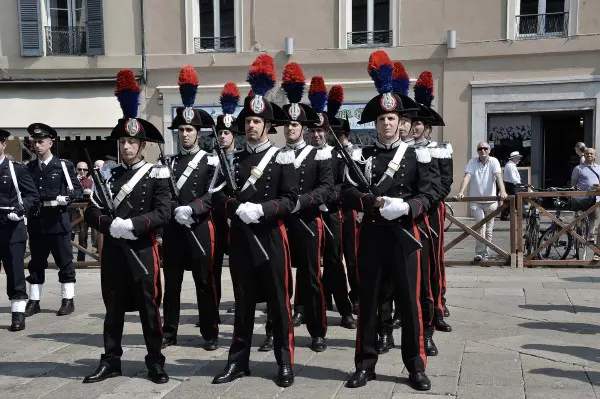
x,y
411,182
11,231
315,181
148,205
52,182
276,190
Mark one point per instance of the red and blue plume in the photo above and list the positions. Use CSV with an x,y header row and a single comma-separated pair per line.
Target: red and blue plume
x,y
250,93
293,82
230,96
317,93
188,85
424,89
400,80
335,99
262,76
128,93
381,71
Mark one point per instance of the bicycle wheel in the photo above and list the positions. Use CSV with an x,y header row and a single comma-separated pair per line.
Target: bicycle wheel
x,y
448,222
582,251
533,234
559,249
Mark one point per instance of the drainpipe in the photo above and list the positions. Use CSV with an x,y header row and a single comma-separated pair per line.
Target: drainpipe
x,y
144,66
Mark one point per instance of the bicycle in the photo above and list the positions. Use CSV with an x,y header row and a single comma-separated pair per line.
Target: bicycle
x,y
448,222
582,251
561,247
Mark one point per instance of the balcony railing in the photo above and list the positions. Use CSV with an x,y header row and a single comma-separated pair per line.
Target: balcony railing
x,y
69,40
378,38
536,26
224,44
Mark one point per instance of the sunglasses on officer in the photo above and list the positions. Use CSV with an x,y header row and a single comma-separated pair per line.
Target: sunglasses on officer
x,y
82,169
483,148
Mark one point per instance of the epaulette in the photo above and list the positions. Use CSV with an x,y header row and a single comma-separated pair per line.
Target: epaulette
x,y
323,153
285,156
357,154
159,172
423,154
212,159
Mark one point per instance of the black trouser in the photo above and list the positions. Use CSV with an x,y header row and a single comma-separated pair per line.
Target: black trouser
x,y
12,256
438,270
334,273
349,242
381,259
270,280
306,250
179,255
61,247
122,294
511,189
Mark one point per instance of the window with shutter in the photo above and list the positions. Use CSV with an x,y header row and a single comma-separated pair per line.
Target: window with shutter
x,y
30,28
95,27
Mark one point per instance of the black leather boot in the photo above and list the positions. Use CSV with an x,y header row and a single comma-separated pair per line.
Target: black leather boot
x,y
32,308
157,374
385,343
18,321
211,344
267,345
441,325
232,372
419,381
103,372
360,378
285,376
169,340
446,312
430,348
348,322
67,306
298,319
318,344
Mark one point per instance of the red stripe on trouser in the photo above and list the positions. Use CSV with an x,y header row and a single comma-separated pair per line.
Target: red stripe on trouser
x,y
430,260
156,265
356,243
211,230
341,217
320,277
288,271
442,253
418,301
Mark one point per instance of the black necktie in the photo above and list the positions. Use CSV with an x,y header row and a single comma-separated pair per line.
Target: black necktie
x,y
43,166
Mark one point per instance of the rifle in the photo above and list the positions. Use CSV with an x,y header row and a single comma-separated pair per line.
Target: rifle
x,y
102,192
259,254
175,192
412,244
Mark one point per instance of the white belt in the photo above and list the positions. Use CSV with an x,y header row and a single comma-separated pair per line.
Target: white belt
x,y
50,203
7,208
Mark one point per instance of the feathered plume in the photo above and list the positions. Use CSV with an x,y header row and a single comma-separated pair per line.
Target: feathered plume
x,y
424,89
317,93
250,93
381,71
262,74
293,82
128,93
230,96
400,80
188,85
335,99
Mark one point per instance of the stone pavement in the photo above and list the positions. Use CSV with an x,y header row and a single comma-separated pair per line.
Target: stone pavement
x,y
517,334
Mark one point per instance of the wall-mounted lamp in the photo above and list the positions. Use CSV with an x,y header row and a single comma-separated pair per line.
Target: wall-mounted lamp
x,y
451,42
289,46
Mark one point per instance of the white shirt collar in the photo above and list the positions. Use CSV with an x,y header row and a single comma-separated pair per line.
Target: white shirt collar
x,y
46,162
258,148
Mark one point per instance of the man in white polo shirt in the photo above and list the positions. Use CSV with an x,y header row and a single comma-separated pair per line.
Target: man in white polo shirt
x,y
484,173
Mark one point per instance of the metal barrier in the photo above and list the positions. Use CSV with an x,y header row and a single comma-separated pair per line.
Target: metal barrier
x,y
79,264
507,259
532,259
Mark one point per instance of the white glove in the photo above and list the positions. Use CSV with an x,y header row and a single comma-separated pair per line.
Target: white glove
x,y
129,235
61,200
394,208
87,191
14,217
323,208
359,217
183,215
117,230
297,208
250,212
